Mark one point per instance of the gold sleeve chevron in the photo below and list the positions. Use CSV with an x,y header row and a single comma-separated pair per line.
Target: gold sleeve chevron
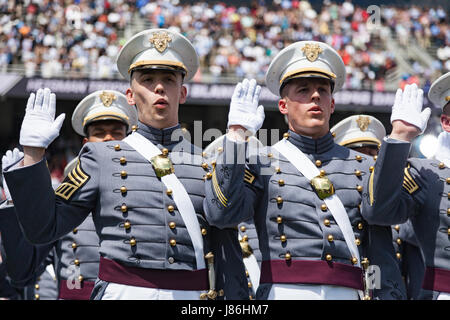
x,y
408,182
74,180
223,200
248,177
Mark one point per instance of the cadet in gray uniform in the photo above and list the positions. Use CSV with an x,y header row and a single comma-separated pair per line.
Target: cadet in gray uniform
x,y
427,185
311,223
103,115
364,133
145,192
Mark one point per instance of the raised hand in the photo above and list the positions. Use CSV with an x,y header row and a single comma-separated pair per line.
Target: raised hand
x,y
10,159
407,118
244,109
39,126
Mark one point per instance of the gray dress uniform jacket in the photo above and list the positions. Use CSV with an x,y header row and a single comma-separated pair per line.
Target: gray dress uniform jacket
x,y
141,232
427,185
299,239
75,257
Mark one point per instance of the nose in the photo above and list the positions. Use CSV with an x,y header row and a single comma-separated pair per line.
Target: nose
x,y
159,88
108,137
315,94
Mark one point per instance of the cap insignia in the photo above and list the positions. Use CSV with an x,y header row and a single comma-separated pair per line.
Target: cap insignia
x,y
160,40
107,98
363,123
312,51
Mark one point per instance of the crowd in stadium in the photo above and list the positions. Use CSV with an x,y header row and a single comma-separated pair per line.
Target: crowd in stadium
x,y
82,38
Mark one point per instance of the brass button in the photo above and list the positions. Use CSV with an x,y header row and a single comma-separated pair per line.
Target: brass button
x,y
357,241
322,173
448,231
123,174
448,195
123,189
441,165
127,225
279,219
286,135
213,163
80,278
246,273
270,155
328,257
448,211
170,208
117,147
169,192
172,242
134,128
172,225
447,180
333,134
75,230
283,238
36,286
279,200
124,208
330,238
360,226
243,228
204,165
220,149
358,157
165,151
324,207
371,168
375,158
318,163
36,296
123,160
281,182
245,237
359,188
249,284
277,169
287,256
74,245
357,173
171,260
132,242
203,231
398,255
208,175
397,227
354,260
204,154
76,262
399,241
326,222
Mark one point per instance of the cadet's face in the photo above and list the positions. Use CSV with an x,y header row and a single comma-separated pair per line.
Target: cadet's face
x,y
157,95
308,104
445,118
106,130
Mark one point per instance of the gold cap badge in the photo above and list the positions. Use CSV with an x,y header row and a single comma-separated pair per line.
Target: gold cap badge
x,y
363,123
107,98
160,40
312,51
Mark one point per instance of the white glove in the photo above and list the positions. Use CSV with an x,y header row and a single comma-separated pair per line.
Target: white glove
x,y
408,107
443,148
39,126
244,109
9,160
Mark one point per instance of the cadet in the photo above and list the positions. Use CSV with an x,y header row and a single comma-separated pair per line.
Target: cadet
x,y
154,239
310,224
103,115
364,133
426,187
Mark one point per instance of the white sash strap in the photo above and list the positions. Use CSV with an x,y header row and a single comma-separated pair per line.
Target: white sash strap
x,y
253,269
309,170
181,198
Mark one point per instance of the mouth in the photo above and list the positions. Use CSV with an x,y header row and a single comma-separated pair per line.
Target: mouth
x,y
161,103
315,110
